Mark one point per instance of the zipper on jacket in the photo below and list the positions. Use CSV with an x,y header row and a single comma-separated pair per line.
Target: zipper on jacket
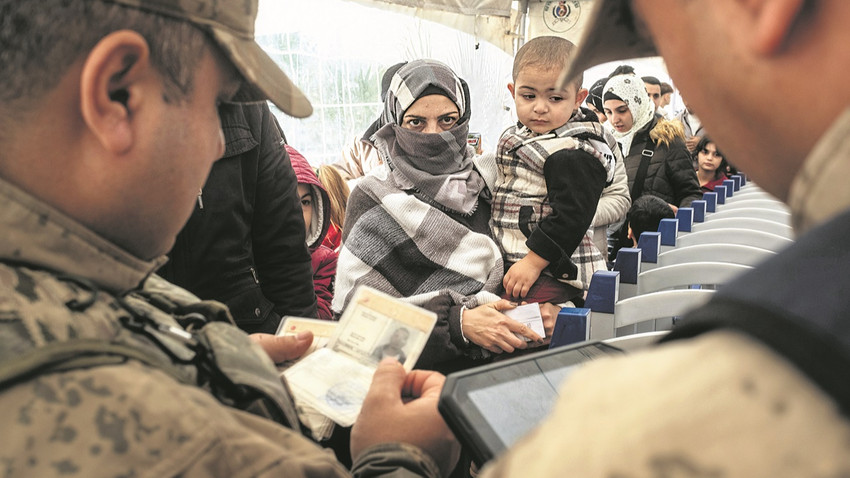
x,y
254,273
200,198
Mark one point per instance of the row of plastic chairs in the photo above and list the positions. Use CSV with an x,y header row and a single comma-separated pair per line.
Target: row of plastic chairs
x,y
679,267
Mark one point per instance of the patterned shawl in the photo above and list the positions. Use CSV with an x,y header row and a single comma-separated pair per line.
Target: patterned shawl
x,y
437,166
408,245
407,248
632,91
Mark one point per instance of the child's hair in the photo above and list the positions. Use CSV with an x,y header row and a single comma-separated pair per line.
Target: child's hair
x,y
548,52
646,213
337,190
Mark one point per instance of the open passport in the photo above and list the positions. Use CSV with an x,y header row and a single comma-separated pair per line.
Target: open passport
x,y
334,375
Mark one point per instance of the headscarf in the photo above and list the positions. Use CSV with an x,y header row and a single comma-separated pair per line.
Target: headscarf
x,y
385,87
438,166
594,94
631,90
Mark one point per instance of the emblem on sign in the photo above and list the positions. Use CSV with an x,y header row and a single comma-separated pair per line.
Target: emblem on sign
x,y
561,15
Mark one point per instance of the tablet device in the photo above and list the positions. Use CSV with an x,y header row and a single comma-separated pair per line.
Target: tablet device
x,y
490,407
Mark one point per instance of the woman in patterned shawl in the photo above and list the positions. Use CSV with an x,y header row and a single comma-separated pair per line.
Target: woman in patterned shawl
x,y
417,227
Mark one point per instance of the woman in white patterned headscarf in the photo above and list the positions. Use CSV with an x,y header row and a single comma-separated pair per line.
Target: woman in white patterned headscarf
x,y
418,227
656,158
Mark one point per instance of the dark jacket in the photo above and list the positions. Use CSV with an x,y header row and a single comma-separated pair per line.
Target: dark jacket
x,y
244,244
324,258
671,174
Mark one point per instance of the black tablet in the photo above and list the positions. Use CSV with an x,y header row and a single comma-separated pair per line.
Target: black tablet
x,y
490,407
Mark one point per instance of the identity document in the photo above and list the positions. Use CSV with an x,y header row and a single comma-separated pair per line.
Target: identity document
x,y
334,379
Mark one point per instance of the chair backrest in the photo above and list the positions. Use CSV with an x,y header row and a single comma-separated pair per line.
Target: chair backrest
x,y
607,313
681,276
644,308
747,194
635,342
734,253
765,225
753,203
775,215
746,237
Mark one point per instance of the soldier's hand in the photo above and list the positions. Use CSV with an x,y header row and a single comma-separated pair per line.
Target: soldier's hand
x,y
403,408
283,348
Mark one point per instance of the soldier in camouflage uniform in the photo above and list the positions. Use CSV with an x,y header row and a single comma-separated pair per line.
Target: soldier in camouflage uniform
x,y
105,369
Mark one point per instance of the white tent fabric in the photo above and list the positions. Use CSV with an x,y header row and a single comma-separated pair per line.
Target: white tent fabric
x,y
500,22
488,20
499,8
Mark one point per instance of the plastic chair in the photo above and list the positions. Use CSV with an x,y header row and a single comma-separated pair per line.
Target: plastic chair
x,y
746,237
775,215
734,253
757,224
688,274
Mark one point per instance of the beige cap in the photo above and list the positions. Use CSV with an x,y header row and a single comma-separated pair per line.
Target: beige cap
x,y
231,24
613,32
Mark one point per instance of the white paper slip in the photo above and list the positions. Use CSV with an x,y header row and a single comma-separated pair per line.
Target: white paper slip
x,y
528,314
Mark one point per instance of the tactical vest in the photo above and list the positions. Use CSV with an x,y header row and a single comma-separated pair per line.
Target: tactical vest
x,y
53,323
797,303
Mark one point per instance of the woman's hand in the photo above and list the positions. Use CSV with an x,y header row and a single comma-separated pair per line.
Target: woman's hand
x,y
549,312
674,208
488,327
522,275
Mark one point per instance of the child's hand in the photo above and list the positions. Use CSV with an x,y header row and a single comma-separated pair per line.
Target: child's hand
x,y
522,275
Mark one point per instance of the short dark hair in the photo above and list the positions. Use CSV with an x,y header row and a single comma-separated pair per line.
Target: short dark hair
x,y
651,80
546,52
42,39
647,212
666,88
623,70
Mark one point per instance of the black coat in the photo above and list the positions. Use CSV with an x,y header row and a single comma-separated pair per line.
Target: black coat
x,y
245,242
671,175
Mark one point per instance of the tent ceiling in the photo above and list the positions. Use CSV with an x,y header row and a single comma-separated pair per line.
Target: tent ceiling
x,y
500,22
488,20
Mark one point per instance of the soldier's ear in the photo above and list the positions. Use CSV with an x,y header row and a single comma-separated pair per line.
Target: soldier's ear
x,y
115,80
771,23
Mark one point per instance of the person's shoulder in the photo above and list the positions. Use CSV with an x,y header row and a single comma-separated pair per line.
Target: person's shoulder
x,y
115,420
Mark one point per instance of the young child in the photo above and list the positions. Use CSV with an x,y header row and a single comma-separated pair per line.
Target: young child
x,y
316,207
338,192
552,166
645,214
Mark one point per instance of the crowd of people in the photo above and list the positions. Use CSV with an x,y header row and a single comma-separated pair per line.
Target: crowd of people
x,y
160,226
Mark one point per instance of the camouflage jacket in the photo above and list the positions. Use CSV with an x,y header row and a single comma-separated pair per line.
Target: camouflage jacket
x,y
60,282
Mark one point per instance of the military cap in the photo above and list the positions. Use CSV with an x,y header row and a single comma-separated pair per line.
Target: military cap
x,y
230,23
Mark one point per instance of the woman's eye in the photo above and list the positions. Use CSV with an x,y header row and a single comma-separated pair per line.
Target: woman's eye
x,y
306,202
448,120
414,122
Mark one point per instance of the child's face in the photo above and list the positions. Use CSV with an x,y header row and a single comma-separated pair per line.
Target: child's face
x,y
539,106
709,159
305,195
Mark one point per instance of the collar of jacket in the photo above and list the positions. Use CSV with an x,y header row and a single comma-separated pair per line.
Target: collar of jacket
x,y
40,236
819,191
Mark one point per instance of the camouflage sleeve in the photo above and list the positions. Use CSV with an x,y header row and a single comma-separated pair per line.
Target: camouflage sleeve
x,y
398,460
130,420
